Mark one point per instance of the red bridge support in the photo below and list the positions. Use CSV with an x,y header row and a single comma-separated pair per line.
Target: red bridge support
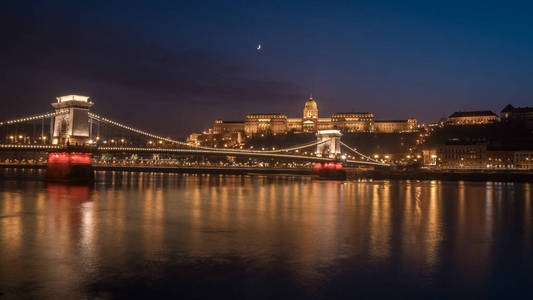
x,y
329,170
70,167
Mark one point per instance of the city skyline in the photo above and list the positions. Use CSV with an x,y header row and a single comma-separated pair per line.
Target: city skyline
x,y
193,63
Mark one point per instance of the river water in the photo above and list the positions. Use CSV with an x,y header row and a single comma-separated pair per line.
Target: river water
x,y
141,235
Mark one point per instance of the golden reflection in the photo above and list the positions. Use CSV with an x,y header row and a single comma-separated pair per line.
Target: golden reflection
x,y
421,232
380,227
65,246
433,232
89,234
10,224
153,222
474,225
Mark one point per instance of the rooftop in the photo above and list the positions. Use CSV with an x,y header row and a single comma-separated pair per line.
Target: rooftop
x,y
352,113
477,113
510,108
390,121
233,122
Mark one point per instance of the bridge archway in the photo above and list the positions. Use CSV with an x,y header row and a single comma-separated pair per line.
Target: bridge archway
x,y
329,141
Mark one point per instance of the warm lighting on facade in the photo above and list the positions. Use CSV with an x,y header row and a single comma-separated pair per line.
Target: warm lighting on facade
x,y
72,98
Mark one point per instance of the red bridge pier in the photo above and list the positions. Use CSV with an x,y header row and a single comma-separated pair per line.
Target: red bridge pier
x,y
329,170
70,167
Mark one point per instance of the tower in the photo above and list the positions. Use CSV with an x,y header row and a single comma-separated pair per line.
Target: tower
x,y
310,115
330,142
72,126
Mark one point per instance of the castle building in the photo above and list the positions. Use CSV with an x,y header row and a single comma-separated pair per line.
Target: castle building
x,y
353,122
265,123
225,127
392,126
310,122
517,113
310,116
523,115
472,118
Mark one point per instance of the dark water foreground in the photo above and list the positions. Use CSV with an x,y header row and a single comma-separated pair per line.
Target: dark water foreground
x,y
141,235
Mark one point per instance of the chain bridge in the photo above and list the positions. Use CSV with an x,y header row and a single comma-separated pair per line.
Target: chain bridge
x,y
72,129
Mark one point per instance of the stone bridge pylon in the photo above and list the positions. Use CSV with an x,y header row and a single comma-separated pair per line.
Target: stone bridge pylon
x,y
72,125
329,143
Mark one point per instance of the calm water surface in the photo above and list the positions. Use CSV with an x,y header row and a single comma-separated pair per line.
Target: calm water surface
x,y
176,236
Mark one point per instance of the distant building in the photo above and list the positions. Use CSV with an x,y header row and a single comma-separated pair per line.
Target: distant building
x,y
265,123
310,122
223,127
484,155
472,118
193,138
353,121
523,115
517,113
461,155
396,126
310,116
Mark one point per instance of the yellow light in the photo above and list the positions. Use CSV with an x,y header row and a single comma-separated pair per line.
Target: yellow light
x,y
72,98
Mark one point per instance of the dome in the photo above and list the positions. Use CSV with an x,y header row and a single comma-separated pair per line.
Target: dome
x,y
310,109
310,104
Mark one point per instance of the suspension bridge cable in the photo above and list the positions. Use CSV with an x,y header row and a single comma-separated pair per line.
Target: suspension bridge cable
x,y
138,131
359,153
33,118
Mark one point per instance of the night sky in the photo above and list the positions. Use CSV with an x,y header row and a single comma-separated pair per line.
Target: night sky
x,y
172,67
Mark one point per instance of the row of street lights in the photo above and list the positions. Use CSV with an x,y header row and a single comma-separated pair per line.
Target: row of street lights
x,y
13,139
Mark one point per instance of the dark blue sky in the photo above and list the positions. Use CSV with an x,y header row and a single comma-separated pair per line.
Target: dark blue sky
x,y
173,67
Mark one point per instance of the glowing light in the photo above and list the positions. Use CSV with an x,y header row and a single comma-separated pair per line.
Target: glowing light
x,y
72,98
329,131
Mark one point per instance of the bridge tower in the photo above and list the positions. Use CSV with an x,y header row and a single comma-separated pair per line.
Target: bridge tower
x,y
72,127
333,146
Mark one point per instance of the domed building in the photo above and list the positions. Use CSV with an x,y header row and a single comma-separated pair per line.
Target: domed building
x,y
310,115
310,109
277,123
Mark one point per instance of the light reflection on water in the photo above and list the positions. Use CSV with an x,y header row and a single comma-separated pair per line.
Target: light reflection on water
x,y
136,234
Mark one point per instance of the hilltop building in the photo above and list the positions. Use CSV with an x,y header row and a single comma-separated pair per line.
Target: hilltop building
x,y
472,118
277,123
517,113
310,122
523,115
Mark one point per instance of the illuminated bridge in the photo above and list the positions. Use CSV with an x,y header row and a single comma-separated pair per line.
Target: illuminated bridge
x,y
72,127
